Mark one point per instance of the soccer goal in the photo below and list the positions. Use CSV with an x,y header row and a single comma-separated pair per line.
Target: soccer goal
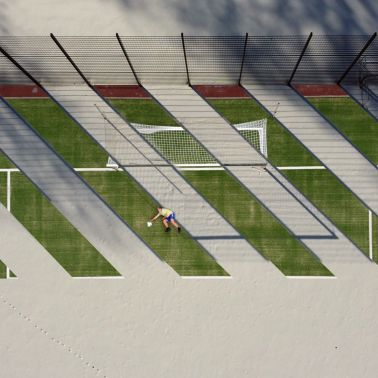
x,y
181,149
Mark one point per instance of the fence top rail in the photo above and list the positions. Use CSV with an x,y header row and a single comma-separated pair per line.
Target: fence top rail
x,y
186,35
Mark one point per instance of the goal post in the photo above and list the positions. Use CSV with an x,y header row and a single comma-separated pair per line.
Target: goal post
x,y
182,150
255,133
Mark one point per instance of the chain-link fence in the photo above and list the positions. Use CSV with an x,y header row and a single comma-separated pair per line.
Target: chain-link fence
x,y
176,60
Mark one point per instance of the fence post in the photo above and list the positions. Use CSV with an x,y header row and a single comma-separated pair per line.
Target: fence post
x,y
128,59
300,58
70,60
242,64
22,69
367,44
186,61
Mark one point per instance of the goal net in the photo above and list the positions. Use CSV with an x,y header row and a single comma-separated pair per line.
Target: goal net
x,y
182,150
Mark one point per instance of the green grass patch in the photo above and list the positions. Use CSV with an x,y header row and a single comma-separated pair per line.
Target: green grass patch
x,y
3,270
5,162
143,111
256,224
118,189
73,252
283,148
353,121
61,132
3,187
135,206
340,205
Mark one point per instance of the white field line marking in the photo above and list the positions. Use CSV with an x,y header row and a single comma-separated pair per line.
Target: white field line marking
x,y
187,168
9,191
7,275
9,170
302,167
181,167
206,277
370,235
197,165
201,169
97,169
311,277
328,96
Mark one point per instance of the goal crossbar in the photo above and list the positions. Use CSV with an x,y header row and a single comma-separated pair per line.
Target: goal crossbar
x,y
182,150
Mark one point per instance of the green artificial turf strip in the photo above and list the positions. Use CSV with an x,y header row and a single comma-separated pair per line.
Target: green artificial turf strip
x,y
186,256
256,224
143,111
283,148
5,162
73,252
3,270
61,132
3,187
135,206
340,205
353,121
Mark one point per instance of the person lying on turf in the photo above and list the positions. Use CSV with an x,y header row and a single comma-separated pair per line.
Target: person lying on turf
x,y
168,216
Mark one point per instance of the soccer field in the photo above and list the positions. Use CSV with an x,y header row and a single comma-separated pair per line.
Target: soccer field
x,y
134,205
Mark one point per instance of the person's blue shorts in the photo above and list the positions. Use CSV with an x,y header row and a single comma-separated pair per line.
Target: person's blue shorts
x,y
170,217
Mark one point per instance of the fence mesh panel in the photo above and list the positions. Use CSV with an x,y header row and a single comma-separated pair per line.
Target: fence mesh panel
x,y
271,60
42,59
10,74
214,60
101,59
211,60
157,60
366,69
328,57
